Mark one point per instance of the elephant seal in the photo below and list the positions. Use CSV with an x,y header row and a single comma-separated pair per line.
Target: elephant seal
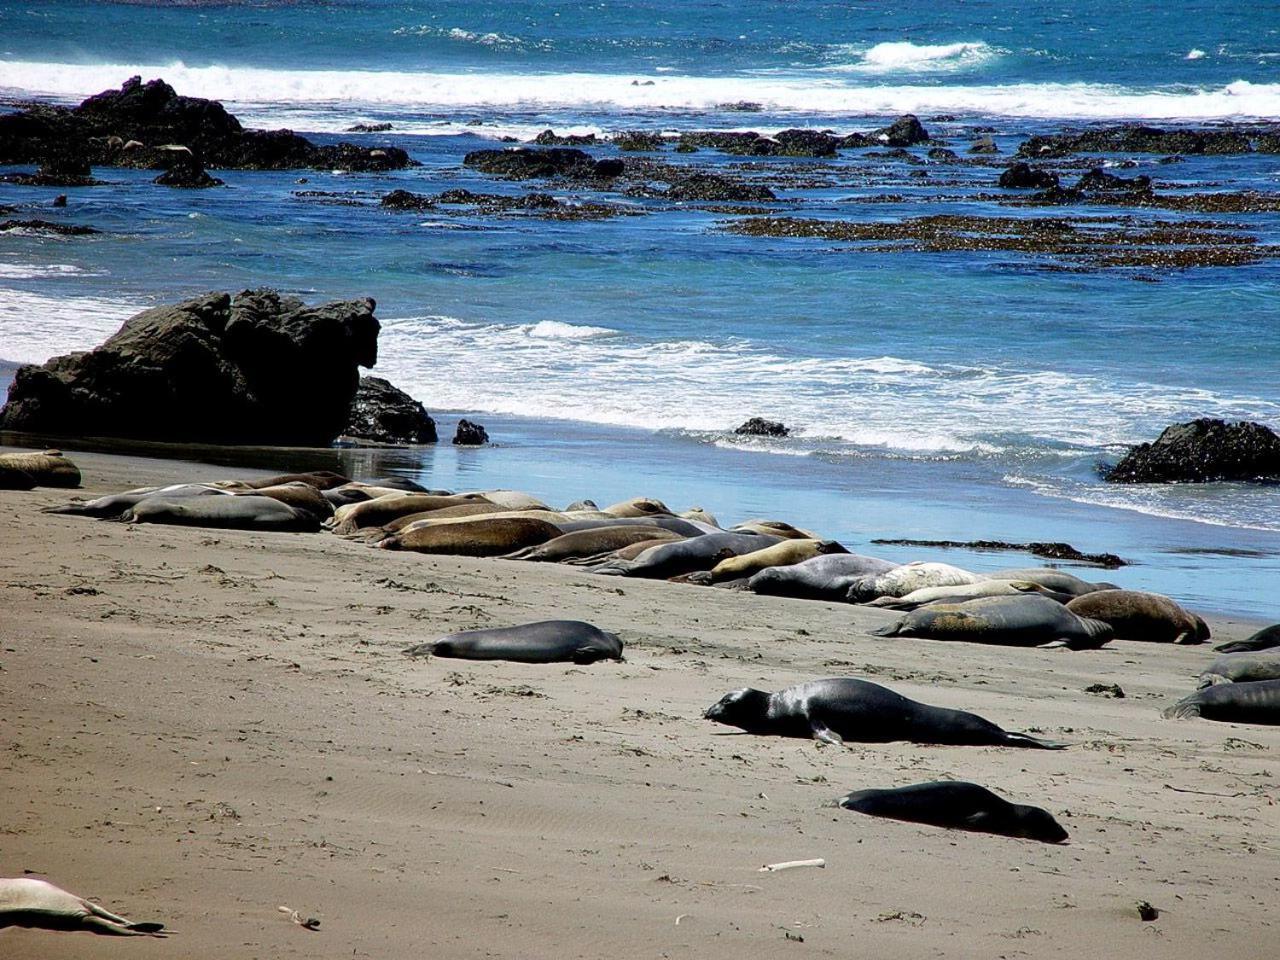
x,y
547,641
958,806
1026,621
112,505
784,554
686,528
1057,580
341,496
1255,702
320,479
244,512
840,709
22,471
904,579
702,516
774,528
31,903
444,513
297,494
473,537
511,499
621,554
582,505
1265,639
380,510
1137,615
822,578
967,591
589,543
685,556
1244,667
637,507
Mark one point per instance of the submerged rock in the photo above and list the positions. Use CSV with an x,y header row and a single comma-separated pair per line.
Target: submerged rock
x,y
549,138
638,141
1137,139
1203,451
984,144
714,187
760,427
47,227
1022,176
256,368
524,163
187,172
470,434
384,413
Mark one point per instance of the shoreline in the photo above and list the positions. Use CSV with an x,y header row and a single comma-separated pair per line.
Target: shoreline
x,y
183,696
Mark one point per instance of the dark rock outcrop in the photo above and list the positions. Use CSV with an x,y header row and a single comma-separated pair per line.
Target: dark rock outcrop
x,y
470,434
760,427
384,413
66,170
638,141
256,368
942,155
712,187
788,143
186,171
1022,176
1098,180
984,144
549,138
1202,451
131,126
523,163
906,131
1137,139
404,200
47,227
381,127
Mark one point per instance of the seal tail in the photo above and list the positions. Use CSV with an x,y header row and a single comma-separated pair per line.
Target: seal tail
x,y
1182,710
1032,743
1098,632
420,650
890,630
74,509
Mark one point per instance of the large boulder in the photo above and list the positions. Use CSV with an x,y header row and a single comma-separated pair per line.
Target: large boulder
x,y
1202,451
1022,176
906,131
384,413
130,126
257,368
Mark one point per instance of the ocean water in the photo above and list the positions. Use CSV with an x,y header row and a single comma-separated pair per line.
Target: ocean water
x,y
947,396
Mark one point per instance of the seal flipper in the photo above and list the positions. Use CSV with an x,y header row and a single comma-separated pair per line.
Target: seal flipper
x,y
891,630
1183,710
824,734
420,649
1033,743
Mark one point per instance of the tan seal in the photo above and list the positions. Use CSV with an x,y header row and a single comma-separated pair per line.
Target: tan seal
x,y
476,537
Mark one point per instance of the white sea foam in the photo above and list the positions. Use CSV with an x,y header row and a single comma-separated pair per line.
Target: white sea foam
x,y
877,404
35,327
813,92
906,57
1195,54
34,271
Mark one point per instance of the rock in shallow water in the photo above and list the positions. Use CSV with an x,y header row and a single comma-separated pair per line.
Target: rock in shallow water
x,y
1203,451
760,427
470,434
256,368
384,413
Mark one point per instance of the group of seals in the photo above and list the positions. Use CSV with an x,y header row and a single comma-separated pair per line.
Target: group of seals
x,y
1240,686
27,902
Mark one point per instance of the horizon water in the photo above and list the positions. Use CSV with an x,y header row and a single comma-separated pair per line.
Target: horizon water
x,y
940,396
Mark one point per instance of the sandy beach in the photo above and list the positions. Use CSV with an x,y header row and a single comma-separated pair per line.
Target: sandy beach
x,y
200,727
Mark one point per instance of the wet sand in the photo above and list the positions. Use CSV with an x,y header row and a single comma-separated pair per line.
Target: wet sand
x,y
201,726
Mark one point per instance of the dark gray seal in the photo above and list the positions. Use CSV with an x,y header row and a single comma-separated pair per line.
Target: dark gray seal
x,y
822,578
1026,621
1255,702
546,641
1264,639
685,556
243,512
113,505
1138,615
958,806
1243,667
842,708
686,528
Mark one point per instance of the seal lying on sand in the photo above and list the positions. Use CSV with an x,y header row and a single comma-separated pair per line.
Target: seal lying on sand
x,y
546,641
846,709
1137,615
967,591
784,554
685,556
774,528
637,507
1026,621
904,579
27,902
473,537
299,495
112,505
1056,580
1254,702
958,806
822,578
244,512
589,543
22,471
320,479
1265,639
1243,667
376,512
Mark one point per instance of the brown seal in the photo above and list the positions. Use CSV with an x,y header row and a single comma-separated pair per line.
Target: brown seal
x,y
374,513
475,537
22,471
589,543
1137,615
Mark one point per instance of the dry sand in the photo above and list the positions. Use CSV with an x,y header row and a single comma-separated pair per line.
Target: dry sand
x,y
201,726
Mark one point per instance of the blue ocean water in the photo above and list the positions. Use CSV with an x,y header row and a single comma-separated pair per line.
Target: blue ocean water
x,y
948,396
